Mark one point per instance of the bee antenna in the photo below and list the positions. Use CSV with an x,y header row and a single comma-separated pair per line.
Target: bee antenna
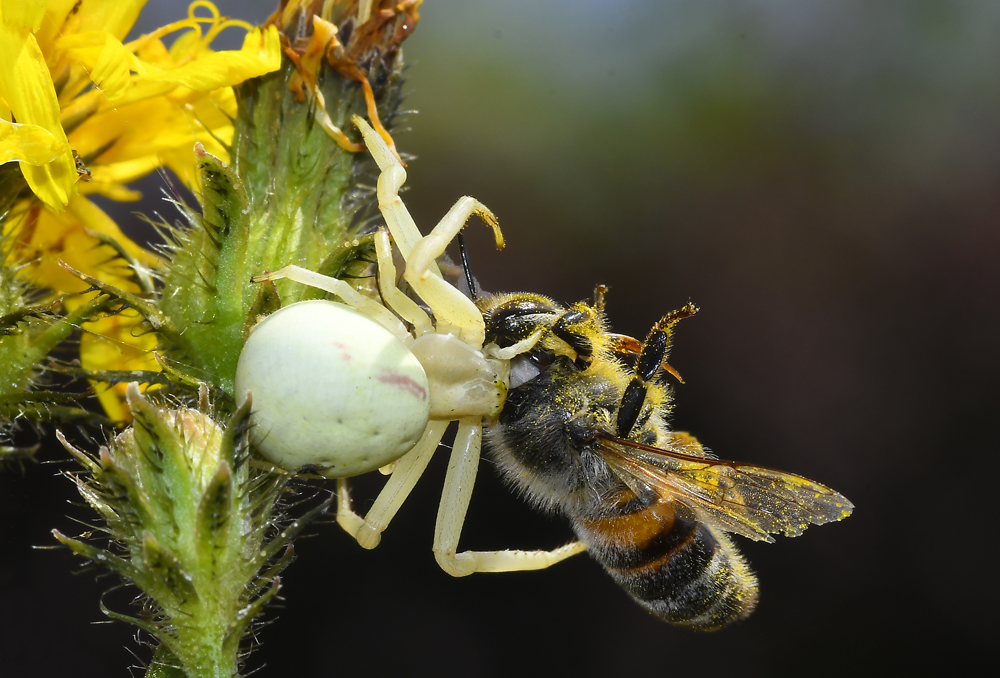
x,y
465,266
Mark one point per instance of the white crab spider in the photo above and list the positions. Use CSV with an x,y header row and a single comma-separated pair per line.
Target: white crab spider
x,y
465,381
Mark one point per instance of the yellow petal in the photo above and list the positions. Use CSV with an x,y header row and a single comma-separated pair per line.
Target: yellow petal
x,y
56,12
110,16
127,171
116,192
48,237
30,144
85,47
185,46
111,72
23,13
117,342
170,127
154,52
261,53
93,218
26,86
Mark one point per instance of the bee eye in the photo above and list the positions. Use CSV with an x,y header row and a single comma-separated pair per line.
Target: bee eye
x,y
524,368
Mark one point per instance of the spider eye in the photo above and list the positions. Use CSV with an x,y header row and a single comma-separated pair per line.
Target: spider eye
x,y
524,368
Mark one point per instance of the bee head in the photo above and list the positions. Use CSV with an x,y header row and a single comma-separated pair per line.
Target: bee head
x,y
540,329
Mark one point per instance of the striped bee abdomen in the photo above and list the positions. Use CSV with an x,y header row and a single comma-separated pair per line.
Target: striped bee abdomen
x,y
678,568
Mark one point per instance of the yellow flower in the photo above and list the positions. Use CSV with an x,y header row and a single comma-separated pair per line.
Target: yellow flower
x,y
68,84
116,342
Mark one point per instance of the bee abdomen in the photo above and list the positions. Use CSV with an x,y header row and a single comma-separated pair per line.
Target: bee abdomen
x,y
673,565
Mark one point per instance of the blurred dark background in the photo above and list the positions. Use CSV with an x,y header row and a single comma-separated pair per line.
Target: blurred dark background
x,y
822,179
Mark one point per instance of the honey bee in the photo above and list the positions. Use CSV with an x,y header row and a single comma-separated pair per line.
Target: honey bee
x,y
583,434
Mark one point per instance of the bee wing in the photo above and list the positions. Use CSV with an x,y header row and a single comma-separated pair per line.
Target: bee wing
x,y
752,501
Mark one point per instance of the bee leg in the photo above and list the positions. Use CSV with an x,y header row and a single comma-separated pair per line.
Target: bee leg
x,y
600,291
654,353
578,341
408,469
623,344
458,483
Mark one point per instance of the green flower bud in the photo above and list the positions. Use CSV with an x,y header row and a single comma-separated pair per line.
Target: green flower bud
x,y
194,526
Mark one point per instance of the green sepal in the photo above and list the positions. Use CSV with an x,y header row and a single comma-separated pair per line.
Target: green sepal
x,y
164,478
40,410
11,455
213,520
238,626
117,376
150,627
289,533
37,397
171,578
174,374
264,304
148,309
121,480
225,218
164,665
61,327
9,323
36,332
343,257
266,577
83,458
122,567
207,280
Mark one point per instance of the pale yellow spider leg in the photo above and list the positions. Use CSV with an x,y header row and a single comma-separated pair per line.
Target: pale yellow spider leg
x,y
517,349
434,243
451,308
458,483
393,176
368,530
348,294
346,517
399,302
449,305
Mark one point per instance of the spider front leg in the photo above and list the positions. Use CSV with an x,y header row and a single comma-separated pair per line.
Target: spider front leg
x,y
458,484
348,294
394,298
451,308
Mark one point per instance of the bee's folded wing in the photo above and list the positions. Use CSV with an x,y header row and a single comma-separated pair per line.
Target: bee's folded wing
x,y
748,500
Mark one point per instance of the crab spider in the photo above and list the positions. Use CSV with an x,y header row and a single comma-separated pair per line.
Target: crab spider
x,y
463,380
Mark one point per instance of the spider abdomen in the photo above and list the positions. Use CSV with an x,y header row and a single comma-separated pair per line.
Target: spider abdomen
x,y
332,389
